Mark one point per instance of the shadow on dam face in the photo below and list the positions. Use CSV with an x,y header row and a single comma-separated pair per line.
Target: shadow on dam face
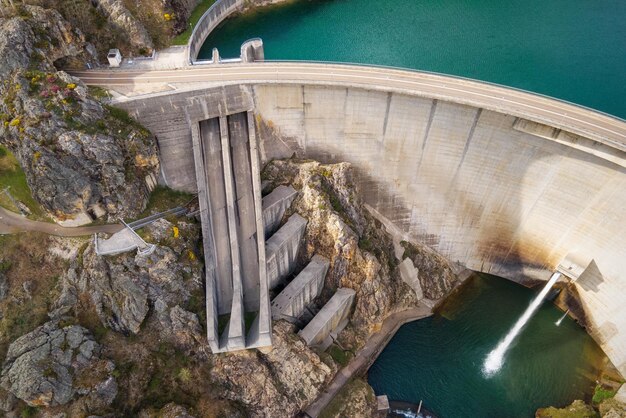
x,y
456,178
468,184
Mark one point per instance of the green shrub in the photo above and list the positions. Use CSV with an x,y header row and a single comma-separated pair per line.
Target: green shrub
x,y
340,356
600,394
28,411
195,16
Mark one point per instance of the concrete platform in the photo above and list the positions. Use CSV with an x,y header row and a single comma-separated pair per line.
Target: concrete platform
x,y
329,317
281,250
302,290
275,205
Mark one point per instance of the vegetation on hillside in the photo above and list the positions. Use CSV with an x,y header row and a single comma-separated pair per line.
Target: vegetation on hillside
x,y
196,14
13,179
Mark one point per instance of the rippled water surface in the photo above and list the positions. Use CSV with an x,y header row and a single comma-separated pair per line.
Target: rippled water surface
x,y
574,50
439,359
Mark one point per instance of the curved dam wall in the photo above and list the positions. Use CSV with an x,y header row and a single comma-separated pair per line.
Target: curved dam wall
x,y
492,191
469,183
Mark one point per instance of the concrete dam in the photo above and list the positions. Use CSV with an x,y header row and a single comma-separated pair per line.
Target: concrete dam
x,y
496,187
494,192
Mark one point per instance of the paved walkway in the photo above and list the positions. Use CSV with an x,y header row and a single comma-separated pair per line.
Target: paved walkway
x,y
367,355
11,223
579,120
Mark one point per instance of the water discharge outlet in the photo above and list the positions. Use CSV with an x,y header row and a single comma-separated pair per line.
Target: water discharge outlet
x,y
495,359
558,323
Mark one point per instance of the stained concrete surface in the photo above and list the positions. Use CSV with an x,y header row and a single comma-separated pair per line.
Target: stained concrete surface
x,y
282,249
329,317
301,291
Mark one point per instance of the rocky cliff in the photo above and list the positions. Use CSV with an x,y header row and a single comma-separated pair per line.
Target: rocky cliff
x,y
123,20
125,337
360,249
82,160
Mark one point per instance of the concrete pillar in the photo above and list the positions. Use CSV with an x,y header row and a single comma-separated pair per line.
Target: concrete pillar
x,y
329,317
235,330
215,220
274,206
207,234
409,274
252,50
302,290
261,331
282,248
245,208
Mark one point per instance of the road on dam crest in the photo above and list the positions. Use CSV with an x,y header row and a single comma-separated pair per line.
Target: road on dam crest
x,y
597,126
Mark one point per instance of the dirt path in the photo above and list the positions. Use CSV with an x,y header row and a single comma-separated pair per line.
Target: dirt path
x,y
11,223
366,356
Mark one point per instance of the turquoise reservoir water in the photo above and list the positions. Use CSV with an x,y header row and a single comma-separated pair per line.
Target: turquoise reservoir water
x,y
439,359
574,50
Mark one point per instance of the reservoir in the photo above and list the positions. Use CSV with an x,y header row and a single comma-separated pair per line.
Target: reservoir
x,y
574,50
440,359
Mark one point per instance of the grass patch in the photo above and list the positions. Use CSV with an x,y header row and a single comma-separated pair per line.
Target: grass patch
x,y
99,93
163,198
600,394
195,16
340,356
340,405
28,411
249,318
24,259
12,176
223,320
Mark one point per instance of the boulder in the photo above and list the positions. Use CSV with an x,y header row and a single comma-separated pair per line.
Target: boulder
x,y
53,364
119,15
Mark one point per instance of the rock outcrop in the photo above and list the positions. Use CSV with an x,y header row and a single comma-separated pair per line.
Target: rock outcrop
x,y
182,10
356,399
171,410
612,408
53,364
278,383
435,274
123,287
39,37
360,250
81,159
4,286
123,20
576,409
